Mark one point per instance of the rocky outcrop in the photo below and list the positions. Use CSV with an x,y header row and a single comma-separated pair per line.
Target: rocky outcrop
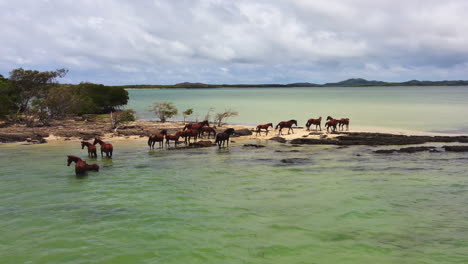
x,y
407,150
278,139
456,148
19,137
254,146
243,132
201,144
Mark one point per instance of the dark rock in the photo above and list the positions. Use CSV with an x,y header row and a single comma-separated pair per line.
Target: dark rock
x,y
385,151
294,161
201,144
254,145
456,148
18,137
314,141
243,132
407,150
278,139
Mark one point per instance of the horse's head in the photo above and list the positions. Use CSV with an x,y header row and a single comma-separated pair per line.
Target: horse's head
x,y
229,131
329,118
72,159
69,161
163,132
319,119
270,125
293,121
83,144
96,140
205,123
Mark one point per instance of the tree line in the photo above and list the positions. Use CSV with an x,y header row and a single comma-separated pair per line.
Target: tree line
x,y
29,96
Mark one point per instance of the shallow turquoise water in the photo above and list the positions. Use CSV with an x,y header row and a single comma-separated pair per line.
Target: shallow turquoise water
x,y
233,206
406,108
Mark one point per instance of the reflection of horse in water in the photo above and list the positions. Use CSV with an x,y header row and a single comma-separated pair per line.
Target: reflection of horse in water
x,y
196,126
81,167
157,138
207,129
287,124
264,127
223,137
174,138
331,123
317,122
91,149
105,147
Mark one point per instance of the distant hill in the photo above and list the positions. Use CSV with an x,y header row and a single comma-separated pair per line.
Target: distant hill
x,y
355,82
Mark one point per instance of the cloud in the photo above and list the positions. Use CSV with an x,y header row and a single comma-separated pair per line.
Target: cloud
x,y
222,41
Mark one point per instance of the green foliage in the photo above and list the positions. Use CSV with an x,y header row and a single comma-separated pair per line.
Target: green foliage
x,y
122,116
187,113
164,110
104,98
66,100
8,99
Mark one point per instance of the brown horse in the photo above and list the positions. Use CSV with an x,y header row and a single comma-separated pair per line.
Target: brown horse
x,y
105,147
207,129
81,167
190,133
223,137
196,125
265,126
317,122
343,122
331,123
287,124
152,139
174,138
91,149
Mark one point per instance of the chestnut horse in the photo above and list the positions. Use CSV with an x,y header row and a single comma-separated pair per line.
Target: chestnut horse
x,y
152,139
224,137
207,129
287,124
91,149
265,126
174,138
105,147
196,125
331,123
343,122
81,167
190,133
316,122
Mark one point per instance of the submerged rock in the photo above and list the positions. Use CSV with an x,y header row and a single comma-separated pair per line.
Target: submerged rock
x,y
407,150
254,145
243,132
201,144
278,139
456,148
294,161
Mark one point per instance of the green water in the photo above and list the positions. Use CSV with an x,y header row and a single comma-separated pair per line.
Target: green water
x,y
233,206
437,108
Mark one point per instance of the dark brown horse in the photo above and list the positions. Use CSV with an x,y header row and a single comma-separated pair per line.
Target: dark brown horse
x,y
343,122
105,147
331,123
265,127
91,149
196,125
190,133
287,124
174,138
207,129
317,122
152,139
81,167
223,137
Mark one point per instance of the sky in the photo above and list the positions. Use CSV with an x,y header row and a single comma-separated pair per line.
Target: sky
x,y
118,42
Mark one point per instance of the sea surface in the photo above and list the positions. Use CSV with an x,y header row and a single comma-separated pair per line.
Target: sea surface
x,y
424,109
278,204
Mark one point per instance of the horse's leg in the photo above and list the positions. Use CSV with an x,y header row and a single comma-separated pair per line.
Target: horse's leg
x,y
102,155
292,130
266,134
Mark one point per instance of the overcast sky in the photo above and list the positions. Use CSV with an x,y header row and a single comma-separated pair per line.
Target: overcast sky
x,y
228,41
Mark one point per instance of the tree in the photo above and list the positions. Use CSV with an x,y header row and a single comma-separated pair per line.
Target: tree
x,y
105,98
187,113
219,117
8,98
120,117
65,100
32,84
164,110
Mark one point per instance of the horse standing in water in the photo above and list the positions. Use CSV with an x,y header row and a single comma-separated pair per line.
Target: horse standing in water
x,y
174,138
91,149
81,167
287,124
265,127
190,133
196,126
207,129
105,147
331,123
343,122
224,137
157,138
317,122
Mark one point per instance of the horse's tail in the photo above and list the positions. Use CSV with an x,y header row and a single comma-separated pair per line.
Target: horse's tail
x,y
277,126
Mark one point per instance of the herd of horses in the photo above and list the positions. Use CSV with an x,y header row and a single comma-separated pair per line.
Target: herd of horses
x,y
195,131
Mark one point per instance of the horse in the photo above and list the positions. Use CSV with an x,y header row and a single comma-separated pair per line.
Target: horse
x,y
190,133
224,137
287,124
91,149
174,138
331,123
316,122
208,129
152,139
81,167
265,126
196,125
105,147
343,122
